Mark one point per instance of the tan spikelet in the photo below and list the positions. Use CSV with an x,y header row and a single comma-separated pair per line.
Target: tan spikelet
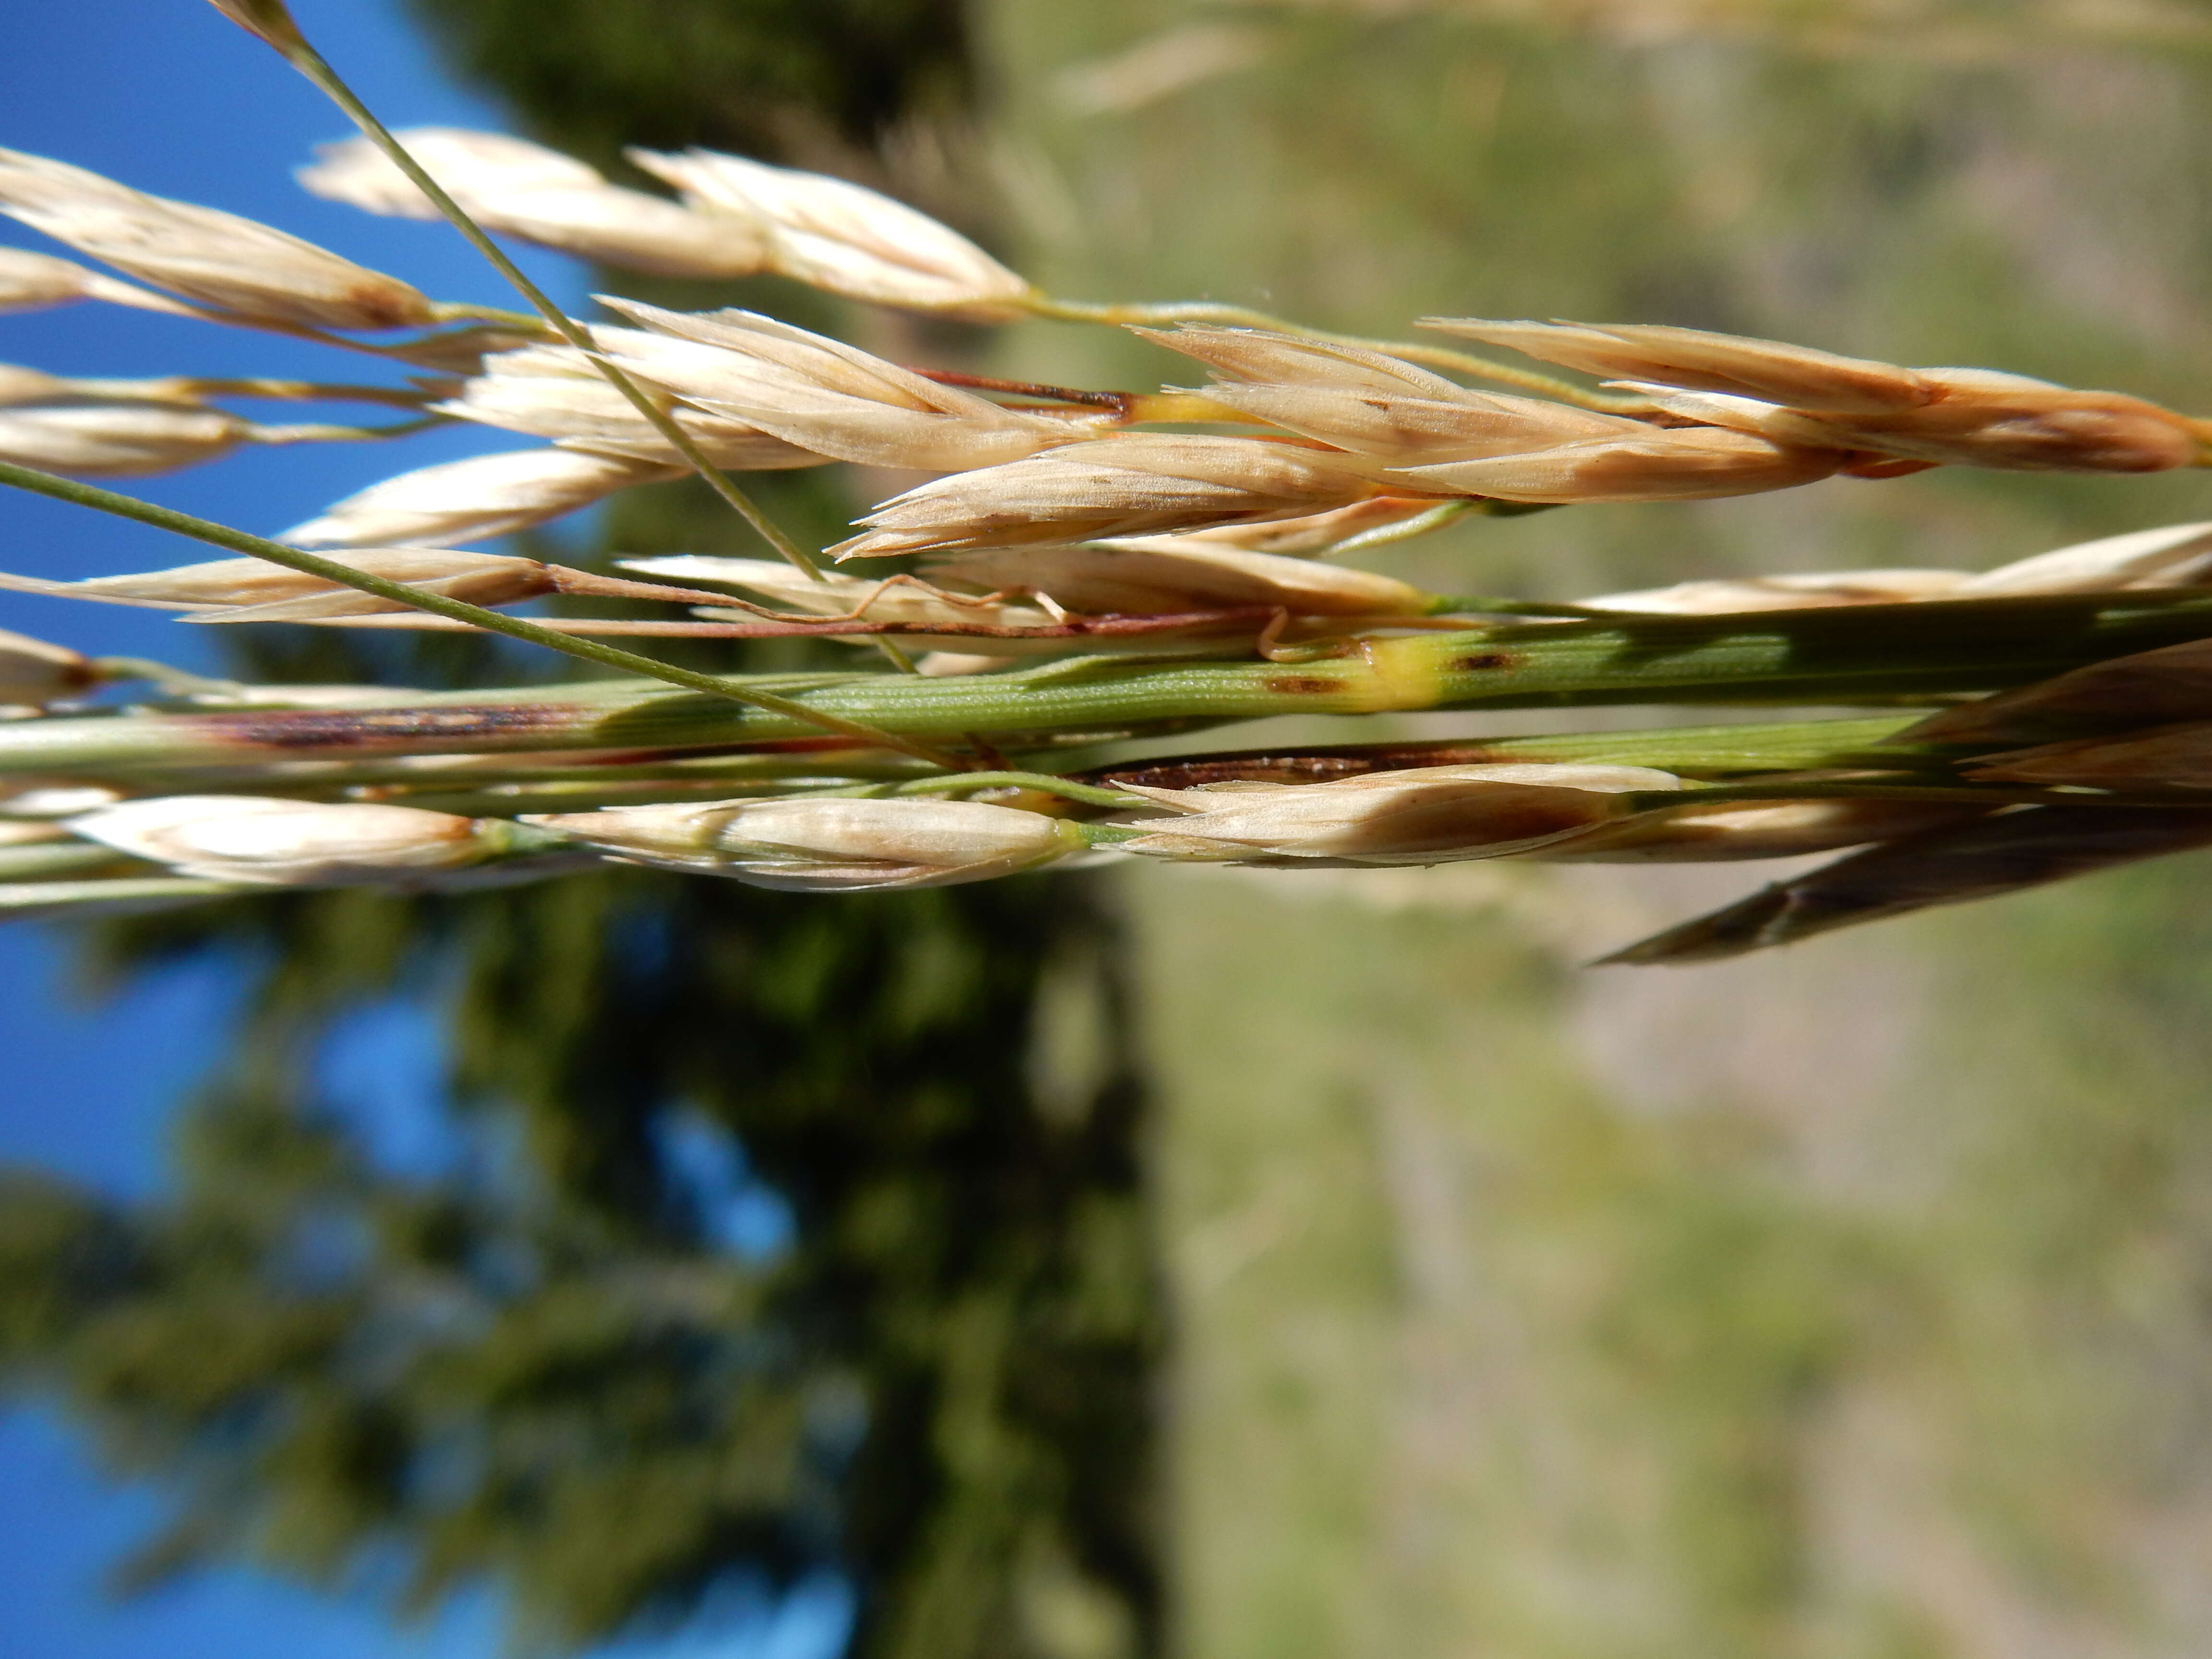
x,y
217,259
844,238
1695,360
823,396
1687,463
223,585
1135,484
458,502
523,190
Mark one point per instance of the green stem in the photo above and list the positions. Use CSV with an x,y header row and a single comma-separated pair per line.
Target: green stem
x,y
51,860
176,681
1693,751
29,901
449,311
312,63
324,433
607,656
1484,604
1846,654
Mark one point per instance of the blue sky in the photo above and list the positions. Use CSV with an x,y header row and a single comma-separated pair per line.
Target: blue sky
x,y
168,96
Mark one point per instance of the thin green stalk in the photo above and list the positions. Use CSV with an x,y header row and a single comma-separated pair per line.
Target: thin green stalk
x,y
301,53
1486,605
176,681
1693,751
1843,655
317,432
28,901
50,861
1090,794
293,558
1414,351
449,311
1420,524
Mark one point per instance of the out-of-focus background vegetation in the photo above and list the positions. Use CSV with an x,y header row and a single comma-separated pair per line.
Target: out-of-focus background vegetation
x,y
1262,1265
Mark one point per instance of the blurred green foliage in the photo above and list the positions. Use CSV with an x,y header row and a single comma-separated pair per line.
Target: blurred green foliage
x,y
751,75
1844,1303
545,1367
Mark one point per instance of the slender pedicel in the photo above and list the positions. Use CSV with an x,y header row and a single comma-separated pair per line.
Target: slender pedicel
x,y
475,616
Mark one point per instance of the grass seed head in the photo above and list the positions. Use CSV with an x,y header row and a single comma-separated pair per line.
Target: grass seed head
x,y
1259,357
2177,757
1695,360
95,438
1134,485
34,672
1719,596
456,502
554,391
1162,575
1653,464
818,845
214,257
292,842
845,239
2121,693
836,595
2002,852
256,584
1980,418
1731,831
33,282
823,396
526,190
1426,815
2172,556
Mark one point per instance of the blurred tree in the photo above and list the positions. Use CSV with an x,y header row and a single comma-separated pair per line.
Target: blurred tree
x,y
766,77
552,1367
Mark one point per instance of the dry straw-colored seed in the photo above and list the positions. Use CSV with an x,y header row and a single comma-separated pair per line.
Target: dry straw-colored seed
x,y
1155,575
1697,360
90,438
214,257
1680,464
518,189
1428,815
844,238
554,391
2177,757
1131,484
456,502
1376,404
2177,556
231,585
1813,399
1732,831
1718,596
34,282
34,672
292,842
2149,688
2004,852
828,844
823,396
838,595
